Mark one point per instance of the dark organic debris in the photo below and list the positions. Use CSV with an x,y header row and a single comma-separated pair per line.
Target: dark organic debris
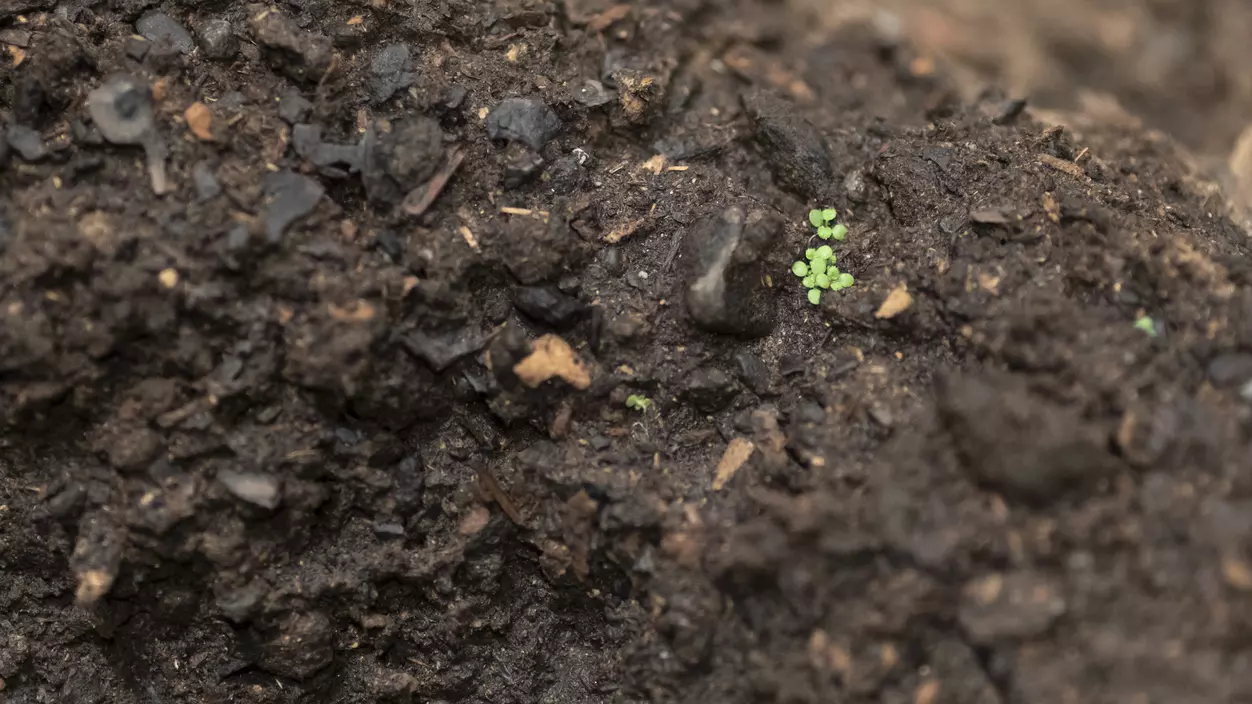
x,y
526,120
396,162
291,197
293,107
421,198
440,352
301,55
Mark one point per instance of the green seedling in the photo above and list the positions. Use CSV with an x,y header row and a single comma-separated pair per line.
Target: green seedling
x,y
638,402
817,272
1146,324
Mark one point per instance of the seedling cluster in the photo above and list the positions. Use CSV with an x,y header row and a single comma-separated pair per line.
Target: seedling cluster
x,y
818,271
638,402
1146,324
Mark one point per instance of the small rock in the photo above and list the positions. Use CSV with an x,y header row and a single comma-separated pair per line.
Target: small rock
x,y
122,110
257,489
207,186
16,37
440,352
709,390
795,151
521,165
752,371
301,648
1006,112
291,197
391,71
565,176
294,109
1231,370
1013,606
217,39
28,143
524,120
725,255
158,27
388,530
137,47
1017,442
548,305
239,605
301,55
133,450
390,244
854,186
593,94
452,98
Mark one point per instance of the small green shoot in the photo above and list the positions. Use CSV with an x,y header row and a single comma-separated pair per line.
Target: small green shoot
x,y
818,272
1146,324
638,402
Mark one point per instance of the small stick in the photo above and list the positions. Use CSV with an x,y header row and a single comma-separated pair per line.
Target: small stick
x,y
421,198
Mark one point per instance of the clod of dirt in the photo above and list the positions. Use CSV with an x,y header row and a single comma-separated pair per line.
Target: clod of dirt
x,y
301,55
548,305
217,39
160,28
391,71
521,165
1017,442
526,120
1014,606
257,489
239,604
552,357
725,293
795,151
639,94
27,142
293,108
396,162
291,197
122,110
709,389
301,648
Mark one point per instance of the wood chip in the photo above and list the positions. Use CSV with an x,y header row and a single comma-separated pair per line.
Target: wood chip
x,y
420,199
499,495
18,55
468,236
168,278
655,165
92,584
1237,572
1068,167
199,121
552,357
360,312
601,22
898,301
927,693
737,453
474,521
622,231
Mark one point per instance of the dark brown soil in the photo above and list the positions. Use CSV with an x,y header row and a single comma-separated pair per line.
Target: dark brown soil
x,y
318,323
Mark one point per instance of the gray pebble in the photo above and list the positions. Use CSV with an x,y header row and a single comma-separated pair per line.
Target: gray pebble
x,y
159,27
217,40
122,110
524,120
206,182
252,487
28,143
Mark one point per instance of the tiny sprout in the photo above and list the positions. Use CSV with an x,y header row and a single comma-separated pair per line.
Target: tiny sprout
x,y
824,252
819,266
1146,324
839,232
825,232
829,214
810,253
800,269
822,281
809,280
815,296
845,280
638,402
816,217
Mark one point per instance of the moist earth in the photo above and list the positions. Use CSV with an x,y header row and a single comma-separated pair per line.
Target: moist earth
x,y
318,323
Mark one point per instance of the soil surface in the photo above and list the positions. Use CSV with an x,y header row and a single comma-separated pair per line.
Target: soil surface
x,y
450,352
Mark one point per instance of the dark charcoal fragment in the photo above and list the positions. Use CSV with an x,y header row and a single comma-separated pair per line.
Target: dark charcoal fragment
x,y
439,352
752,371
158,27
709,390
724,257
397,162
291,197
524,120
795,151
548,305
